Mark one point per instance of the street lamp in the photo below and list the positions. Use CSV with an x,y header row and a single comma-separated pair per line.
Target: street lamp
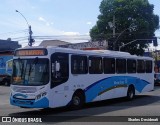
x,y
134,41
126,44
130,27
30,39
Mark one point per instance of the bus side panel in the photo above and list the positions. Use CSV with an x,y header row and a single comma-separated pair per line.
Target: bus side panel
x,y
143,85
104,88
115,86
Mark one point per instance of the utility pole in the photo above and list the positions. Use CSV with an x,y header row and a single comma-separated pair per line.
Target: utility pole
x,y
30,39
114,32
114,26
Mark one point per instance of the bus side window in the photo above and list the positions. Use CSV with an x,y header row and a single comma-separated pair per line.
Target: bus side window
x,y
140,66
79,64
95,65
59,69
109,65
131,66
121,65
148,67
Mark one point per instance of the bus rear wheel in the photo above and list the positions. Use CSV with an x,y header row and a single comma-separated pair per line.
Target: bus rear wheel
x,y
77,100
130,93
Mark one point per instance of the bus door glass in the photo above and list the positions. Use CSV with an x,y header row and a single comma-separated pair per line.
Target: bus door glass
x,y
59,69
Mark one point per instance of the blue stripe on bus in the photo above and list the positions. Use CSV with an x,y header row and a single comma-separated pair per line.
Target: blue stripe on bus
x,y
93,90
42,103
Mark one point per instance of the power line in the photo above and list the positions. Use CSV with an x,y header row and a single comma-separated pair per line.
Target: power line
x,y
15,32
62,36
73,37
20,38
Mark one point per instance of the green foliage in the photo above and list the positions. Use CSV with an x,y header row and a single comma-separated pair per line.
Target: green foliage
x,y
138,13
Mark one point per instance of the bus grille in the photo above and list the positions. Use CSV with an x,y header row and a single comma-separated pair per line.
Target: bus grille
x,y
25,89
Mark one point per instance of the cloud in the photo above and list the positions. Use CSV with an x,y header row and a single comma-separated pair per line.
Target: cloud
x,y
89,23
41,19
33,7
71,33
87,33
47,23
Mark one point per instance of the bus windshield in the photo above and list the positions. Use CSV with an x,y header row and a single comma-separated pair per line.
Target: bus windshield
x,y
31,72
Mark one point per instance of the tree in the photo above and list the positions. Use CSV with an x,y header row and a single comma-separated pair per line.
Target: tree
x,y
128,13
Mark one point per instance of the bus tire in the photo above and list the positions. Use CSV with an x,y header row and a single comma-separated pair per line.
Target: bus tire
x,y
130,93
78,100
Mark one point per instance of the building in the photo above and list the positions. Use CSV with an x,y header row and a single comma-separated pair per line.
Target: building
x,y
46,43
7,48
82,46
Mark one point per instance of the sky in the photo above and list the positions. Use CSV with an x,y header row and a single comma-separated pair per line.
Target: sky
x,y
51,18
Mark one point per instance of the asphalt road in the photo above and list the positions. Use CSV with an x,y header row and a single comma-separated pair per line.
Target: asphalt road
x,y
115,111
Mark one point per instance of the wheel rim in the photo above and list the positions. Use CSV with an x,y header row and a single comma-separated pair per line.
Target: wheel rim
x,y
76,100
131,94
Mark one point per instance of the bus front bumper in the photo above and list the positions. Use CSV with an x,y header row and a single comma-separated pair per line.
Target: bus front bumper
x,y
30,103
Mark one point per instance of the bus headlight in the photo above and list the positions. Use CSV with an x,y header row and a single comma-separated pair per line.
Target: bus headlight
x,y
44,93
41,95
38,96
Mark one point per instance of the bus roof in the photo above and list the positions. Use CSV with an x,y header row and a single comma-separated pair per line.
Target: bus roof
x,y
91,52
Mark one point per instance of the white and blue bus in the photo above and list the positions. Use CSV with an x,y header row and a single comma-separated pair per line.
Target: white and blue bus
x,y
53,77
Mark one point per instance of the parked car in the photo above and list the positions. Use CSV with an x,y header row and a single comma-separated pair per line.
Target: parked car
x,y
157,78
